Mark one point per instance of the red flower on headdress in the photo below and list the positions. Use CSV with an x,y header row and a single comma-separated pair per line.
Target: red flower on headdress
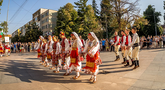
x,y
62,33
72,34
89,34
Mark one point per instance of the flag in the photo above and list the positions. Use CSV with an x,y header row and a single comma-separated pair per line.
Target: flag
x,y
1,33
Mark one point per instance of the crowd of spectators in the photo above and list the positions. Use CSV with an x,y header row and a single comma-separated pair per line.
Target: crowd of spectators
x,y
145,43
19,47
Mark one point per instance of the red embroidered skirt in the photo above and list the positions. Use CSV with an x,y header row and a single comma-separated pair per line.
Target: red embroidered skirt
x,y
91,62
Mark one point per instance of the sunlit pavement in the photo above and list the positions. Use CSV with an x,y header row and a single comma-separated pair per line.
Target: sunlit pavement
x,y
24,72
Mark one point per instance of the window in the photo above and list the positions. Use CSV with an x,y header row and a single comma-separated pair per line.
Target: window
x,y
47,19
43,16
47,14
36,19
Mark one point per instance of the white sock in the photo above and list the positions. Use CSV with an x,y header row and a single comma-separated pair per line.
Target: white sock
x,y
58,69
47,63
78,74
94,77
67,71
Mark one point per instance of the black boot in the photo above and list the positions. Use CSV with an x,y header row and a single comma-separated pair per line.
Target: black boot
x,y
127,64
136,65
133,63
117,58
124,61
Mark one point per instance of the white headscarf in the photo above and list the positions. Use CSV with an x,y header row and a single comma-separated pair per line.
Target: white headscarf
x,y
42,37
95,37
78,39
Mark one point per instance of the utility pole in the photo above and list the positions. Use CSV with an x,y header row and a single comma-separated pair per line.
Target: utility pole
x,y
7,16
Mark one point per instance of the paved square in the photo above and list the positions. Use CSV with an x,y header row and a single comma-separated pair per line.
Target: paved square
x,y
24,72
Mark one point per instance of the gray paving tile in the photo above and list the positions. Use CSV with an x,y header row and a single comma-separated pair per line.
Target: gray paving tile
x,y
157,85
138,88
143,84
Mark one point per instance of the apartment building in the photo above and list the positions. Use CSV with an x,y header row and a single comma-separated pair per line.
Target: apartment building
x,y
44,18
22,29
48,21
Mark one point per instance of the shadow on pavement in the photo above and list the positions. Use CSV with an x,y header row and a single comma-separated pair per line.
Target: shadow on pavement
x,y
27,71
107,72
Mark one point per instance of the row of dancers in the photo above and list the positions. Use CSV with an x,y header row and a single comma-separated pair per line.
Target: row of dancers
x,y
63,56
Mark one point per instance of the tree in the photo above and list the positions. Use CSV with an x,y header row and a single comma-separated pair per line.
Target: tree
x,y
107,19
140,23
66,20
15,39
32,33
1,1
86,20
149,15
95,8
125,12
3,26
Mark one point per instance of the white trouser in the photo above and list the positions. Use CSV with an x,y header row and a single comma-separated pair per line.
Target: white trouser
x,y
128,53
117,47
123,53
6,52
135,53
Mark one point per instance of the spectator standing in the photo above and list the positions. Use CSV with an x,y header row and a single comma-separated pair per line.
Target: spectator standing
x,y
103,44
112,42
163,40
107,45
18,46
148,42
14,47
29,47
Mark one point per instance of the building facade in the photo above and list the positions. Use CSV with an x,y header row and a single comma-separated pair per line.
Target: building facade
x,y
48,21
44,18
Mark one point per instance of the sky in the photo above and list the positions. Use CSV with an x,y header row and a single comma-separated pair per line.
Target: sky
x,y
17,16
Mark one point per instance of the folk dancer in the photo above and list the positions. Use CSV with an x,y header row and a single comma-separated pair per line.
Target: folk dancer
x,y
92,58
41,38
75,64
65,53
1,49
38,49
136,48
128,54
7,49
44,49
56,62
123,47
49,51
117,45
